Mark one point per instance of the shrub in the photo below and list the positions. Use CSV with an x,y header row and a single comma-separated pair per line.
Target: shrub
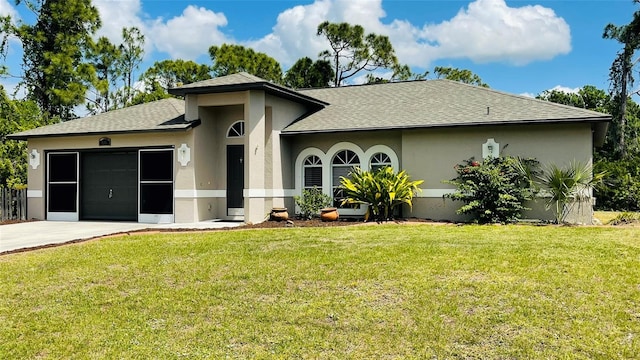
x,y
625,218
311,201
568,185
620,187
494,190
382,190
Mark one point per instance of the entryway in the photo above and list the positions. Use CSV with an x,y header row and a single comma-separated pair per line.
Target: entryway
x,y
235,180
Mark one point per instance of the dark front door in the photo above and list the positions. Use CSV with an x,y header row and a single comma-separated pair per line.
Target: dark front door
x,y
109,186
235,177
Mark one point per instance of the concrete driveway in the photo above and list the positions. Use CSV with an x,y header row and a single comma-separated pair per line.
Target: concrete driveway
x,y
42,233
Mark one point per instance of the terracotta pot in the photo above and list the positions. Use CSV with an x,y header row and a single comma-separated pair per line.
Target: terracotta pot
x,y
279,214
329,214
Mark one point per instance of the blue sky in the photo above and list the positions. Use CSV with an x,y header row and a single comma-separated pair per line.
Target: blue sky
x,y
522,47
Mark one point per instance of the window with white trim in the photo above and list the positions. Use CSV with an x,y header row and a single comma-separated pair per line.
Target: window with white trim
x,y
156,181
236,129
62,182
378,161
312,170
342,164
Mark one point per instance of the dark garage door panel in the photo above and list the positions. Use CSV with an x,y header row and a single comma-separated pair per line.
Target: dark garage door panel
x,y
109,186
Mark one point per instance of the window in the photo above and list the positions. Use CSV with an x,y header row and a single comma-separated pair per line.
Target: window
x,y
312,169
342,164
156,181
379,160
63,182
236,129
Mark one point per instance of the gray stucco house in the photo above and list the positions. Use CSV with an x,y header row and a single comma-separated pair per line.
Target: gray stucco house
x,y
239,145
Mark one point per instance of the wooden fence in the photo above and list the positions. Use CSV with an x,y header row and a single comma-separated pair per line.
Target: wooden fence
x,y
13,204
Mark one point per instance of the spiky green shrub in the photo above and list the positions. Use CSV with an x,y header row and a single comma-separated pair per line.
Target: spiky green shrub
x,y
625,218
311,201
568,186
382,191
494,190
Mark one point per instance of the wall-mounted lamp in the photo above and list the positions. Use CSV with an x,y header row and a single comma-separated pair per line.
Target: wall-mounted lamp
x,y
184,154
34,159
490,149
105,141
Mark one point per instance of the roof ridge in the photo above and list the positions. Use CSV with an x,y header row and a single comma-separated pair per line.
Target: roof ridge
x,y
522,97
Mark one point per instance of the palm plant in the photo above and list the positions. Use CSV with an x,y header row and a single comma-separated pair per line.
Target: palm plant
x,y
382,190
567,186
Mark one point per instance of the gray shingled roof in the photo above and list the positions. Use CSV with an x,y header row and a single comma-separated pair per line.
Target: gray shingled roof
x,y
161,115
243,82
431,103
412,104
233,79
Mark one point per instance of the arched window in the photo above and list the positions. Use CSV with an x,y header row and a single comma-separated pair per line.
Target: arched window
x,y
341,165
236,129
312,170
379,160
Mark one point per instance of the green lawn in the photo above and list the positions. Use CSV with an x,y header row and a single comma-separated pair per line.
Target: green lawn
x,y
362,292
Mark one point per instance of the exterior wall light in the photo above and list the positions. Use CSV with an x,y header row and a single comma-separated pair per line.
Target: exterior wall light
x,y
184,154
34,159
490,149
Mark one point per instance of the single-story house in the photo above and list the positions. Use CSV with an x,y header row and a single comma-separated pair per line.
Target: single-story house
x,y
239,145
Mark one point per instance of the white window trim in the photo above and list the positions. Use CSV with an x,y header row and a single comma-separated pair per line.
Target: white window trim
x,y
341,146
382,149
312,166
63,216
300,165
327,167
157,218
231,127
299,175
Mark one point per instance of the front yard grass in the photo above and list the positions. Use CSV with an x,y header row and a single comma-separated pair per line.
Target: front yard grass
x,y
361,292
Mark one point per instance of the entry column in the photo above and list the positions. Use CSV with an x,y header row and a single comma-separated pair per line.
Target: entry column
x,y
254,153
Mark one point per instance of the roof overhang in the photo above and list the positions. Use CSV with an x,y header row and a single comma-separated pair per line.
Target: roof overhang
x,y
187,127
265,86
599,126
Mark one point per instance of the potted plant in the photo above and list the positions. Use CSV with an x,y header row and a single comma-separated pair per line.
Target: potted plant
x,y
311,201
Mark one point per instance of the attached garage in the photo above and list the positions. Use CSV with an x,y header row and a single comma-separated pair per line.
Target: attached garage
x,y
116,185
117,166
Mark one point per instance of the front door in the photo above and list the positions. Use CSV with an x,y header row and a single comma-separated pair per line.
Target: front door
x,y
235,180
109,186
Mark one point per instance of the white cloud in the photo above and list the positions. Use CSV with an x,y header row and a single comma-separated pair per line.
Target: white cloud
x,y
486,31
189,35
12,88
116,15
185,36
483,31
565,89
7,9
489,30
294,35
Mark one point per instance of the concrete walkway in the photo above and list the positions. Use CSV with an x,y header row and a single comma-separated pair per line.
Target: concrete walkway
x,y
42,233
